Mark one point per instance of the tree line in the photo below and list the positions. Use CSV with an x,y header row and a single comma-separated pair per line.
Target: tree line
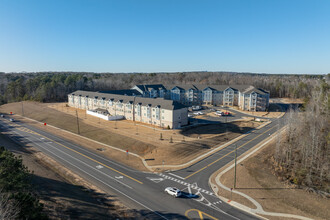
x,y
17,199
302,154
54,86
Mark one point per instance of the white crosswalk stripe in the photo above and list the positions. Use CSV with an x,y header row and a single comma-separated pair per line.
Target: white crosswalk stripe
x,y
193,186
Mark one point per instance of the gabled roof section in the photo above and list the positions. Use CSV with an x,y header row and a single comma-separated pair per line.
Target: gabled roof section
x,y
201,87
256,90
130,92
163,103
207,88
149,87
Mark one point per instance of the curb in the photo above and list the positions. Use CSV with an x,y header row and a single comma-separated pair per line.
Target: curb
x,y
112,147
210,152
258,210
152,168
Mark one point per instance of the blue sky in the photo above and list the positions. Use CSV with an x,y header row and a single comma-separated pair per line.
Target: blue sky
x,y
260,36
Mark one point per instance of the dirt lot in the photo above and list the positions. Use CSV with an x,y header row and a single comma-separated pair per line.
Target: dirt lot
x,y
274,111
147,141
255,178
288,100
65,195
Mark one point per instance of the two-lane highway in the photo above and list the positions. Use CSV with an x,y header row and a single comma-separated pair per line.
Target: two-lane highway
x,y
140,190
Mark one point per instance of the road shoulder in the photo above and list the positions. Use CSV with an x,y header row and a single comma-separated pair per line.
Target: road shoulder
x,y
258,190
64,194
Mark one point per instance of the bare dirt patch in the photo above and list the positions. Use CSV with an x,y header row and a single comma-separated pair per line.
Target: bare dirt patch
x,y
274,111
158,145
255,178
290,100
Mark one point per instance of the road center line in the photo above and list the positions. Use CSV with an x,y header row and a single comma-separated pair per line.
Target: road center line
x,y
101,181
227,154
113,169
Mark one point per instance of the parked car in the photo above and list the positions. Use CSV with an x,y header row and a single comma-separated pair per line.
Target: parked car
x,y
196,108
200,113
173,191
12,120
2,116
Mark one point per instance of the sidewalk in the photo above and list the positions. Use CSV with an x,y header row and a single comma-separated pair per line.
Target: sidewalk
x,y
258,210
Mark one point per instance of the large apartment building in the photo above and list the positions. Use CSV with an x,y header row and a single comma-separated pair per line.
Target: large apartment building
x,y
246,97
155,111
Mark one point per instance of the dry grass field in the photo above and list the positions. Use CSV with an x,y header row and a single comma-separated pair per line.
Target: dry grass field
x,y
255,178
145,140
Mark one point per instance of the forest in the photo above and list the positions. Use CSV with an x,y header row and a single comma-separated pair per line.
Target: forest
x,y
17,197
302,154
54,86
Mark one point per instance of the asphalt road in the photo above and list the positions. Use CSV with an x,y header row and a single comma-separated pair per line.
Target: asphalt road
x,y
141,190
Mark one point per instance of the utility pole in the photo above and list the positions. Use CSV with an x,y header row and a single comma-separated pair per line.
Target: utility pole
x,y
22,109
235,166
77,122
226,114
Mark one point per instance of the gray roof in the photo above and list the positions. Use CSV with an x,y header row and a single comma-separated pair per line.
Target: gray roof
x,y
256,90
130,92
162,103
184,87
145,88
213,87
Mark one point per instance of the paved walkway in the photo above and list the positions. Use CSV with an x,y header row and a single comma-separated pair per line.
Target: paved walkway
x,y
258,210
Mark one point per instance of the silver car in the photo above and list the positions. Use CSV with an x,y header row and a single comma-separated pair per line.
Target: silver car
x,y
173,191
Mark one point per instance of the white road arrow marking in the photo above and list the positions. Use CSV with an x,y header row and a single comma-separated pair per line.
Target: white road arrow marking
x,y
155,179
99,167
119,177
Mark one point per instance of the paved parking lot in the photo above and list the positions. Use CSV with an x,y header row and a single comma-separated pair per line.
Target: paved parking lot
x,y
208,115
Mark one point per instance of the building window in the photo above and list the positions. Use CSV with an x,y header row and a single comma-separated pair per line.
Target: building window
x,y
157,113
138,110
